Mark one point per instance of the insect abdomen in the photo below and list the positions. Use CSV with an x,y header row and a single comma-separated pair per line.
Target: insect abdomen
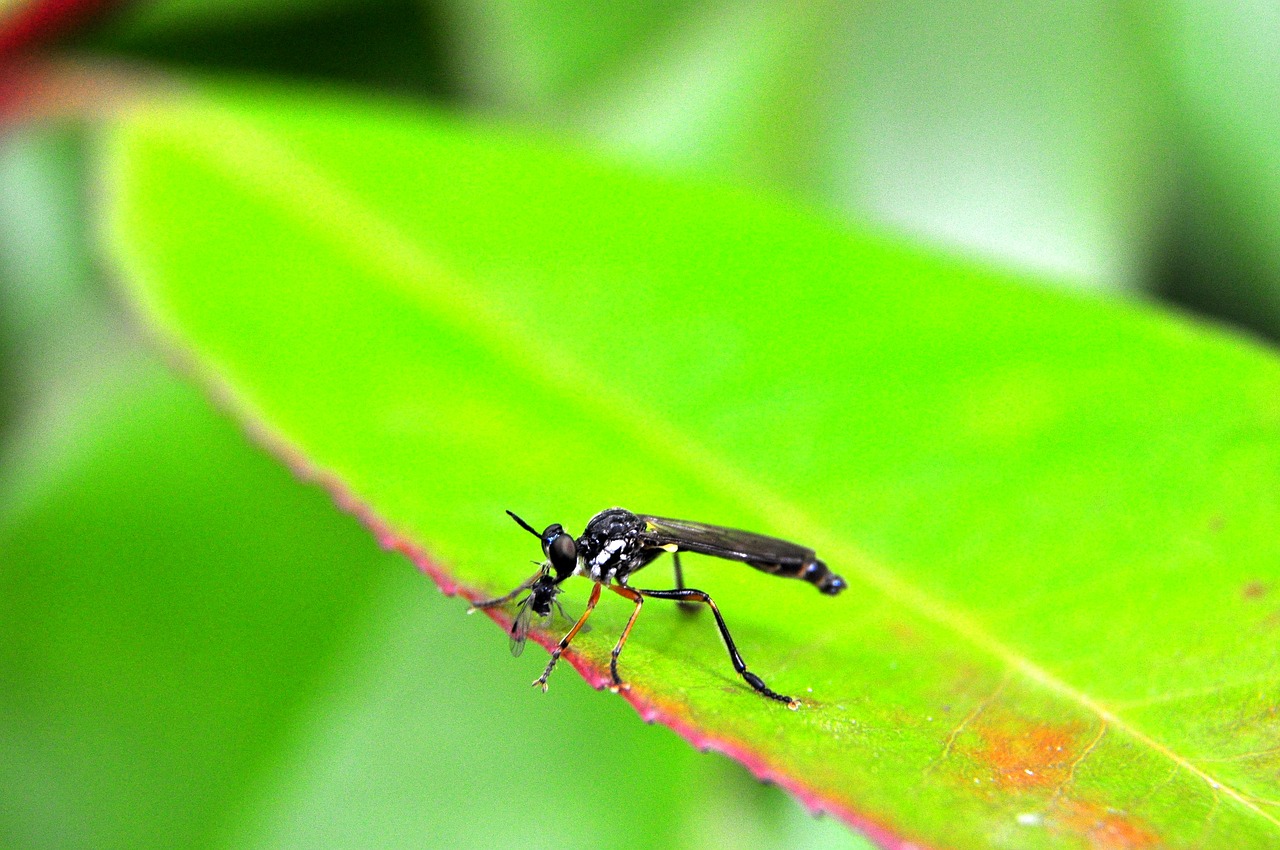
x,y
811,570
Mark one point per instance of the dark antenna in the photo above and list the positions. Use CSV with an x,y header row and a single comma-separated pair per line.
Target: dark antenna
x,y
524,525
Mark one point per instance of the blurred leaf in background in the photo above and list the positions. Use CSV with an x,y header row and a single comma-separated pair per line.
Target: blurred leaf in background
x,y
1222,61
1033,136
46,274
390,45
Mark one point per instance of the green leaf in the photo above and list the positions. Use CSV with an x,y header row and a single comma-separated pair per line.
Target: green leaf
x,y
1056,516
196,652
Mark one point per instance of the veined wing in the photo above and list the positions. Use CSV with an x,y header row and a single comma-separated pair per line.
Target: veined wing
x,y
520,625
720,542
526,618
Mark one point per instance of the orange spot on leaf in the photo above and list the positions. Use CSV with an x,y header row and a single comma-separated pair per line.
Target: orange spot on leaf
x,y
1254,590
1107,829
1029,756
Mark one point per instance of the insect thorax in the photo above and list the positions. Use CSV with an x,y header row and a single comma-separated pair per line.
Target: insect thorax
x,y
612,546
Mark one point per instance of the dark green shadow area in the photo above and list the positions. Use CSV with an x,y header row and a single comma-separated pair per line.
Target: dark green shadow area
x,y
391,45
170,598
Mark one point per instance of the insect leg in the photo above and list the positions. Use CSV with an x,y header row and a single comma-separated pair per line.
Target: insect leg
x,y
687,607
564,641
505,598
688,594
635,597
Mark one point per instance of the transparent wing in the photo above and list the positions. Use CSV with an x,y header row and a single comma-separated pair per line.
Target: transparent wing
x,y
568,620
520,626
524,621
721,542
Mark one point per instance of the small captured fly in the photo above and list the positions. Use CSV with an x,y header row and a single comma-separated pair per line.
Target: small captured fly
x,y
541,598
618,543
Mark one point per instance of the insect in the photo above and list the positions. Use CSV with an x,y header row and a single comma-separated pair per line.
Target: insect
x,y
617,544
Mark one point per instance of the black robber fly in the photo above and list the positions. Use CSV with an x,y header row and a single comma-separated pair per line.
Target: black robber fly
x,y
618,543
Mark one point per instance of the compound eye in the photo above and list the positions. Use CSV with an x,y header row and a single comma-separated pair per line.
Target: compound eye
x,y
563,552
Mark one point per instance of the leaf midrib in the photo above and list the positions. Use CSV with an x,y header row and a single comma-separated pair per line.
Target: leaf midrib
x,y
257,160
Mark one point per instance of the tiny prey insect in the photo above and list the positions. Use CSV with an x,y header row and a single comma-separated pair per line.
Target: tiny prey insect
x,y
618,543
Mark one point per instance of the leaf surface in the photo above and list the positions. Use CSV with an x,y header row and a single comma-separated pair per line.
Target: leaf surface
x,y
1056,516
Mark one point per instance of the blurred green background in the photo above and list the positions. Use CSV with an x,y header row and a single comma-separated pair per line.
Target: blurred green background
x,y
197,651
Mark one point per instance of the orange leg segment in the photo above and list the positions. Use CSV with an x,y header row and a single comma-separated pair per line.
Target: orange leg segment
x,y
564,641
635,597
